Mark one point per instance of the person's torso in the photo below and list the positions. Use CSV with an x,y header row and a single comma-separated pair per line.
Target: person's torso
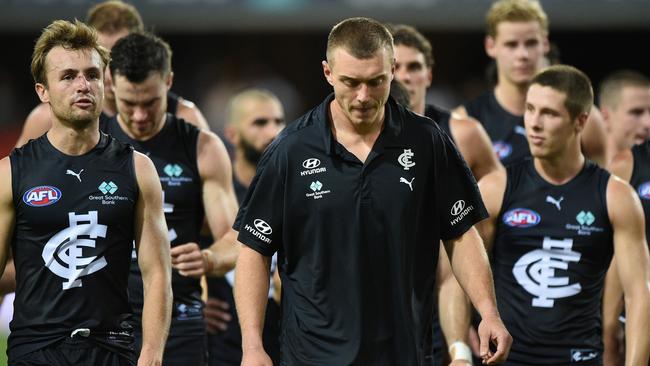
x,y
72,242
174,154
506,131
552,248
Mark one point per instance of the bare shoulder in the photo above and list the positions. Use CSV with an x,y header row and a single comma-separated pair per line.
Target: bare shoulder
x,y
212,156
623,205
466,128
145,171
188,111
622,165
494,182
38,122
5,181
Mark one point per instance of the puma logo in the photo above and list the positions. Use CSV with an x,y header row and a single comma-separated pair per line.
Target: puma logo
x,y
552,200
403,180
78,175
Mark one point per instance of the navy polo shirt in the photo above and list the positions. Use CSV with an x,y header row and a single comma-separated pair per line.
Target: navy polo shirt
x,y
358,242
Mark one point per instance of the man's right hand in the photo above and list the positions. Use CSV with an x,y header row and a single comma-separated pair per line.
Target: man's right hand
x,y
217,315
492,330
256,357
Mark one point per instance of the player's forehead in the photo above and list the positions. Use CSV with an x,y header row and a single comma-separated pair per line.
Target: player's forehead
x,y
515,30
60,58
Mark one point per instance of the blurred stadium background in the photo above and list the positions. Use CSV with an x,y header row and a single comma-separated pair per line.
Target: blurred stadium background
x,y
222,46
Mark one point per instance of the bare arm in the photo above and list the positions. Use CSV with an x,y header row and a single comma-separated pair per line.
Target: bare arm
x,y
633,262
152,245
474,144
37,123
7,212
191,113
220,205
251,293
594,139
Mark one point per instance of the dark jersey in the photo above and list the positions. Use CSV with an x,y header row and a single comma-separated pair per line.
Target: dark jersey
x,y
640,180
358,241
552,248
506,130
440,116
72,244
173,152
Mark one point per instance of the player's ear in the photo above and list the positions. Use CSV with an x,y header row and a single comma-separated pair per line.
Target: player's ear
x,y
327,71
169,80
42,92
489,45
581,121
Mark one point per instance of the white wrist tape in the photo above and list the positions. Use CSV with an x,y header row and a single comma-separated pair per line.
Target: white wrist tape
x,y
460,351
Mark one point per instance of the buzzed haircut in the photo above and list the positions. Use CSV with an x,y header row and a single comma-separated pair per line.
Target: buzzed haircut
x,y
573,83
612,86
233,111
408,36
515,11
113,16
70,36
137,55
361,37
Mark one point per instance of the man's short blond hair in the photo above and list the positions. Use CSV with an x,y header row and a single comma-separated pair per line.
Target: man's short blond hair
x,y
361,37
113,16
515,11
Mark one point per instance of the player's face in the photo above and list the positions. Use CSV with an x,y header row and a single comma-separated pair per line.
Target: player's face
x,y
108,40
549,128
361,86
629,120
75,88
261,121
141,106
412,71
518,49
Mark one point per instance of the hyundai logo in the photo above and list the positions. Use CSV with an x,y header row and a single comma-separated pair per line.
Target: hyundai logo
x,y
311,163
458,207
262,226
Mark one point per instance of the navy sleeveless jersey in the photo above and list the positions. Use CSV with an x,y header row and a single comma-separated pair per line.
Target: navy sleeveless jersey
x,y
72,244
173,152
552,248
640,180
440,116
506,130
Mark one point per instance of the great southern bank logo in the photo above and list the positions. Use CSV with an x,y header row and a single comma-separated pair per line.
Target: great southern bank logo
x,y
173,170
107,188
521,217
42,196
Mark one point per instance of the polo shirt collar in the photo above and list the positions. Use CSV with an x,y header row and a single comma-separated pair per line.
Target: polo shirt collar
x,y
388,137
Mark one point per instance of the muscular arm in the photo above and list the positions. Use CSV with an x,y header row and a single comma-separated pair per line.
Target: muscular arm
x,y
220,205
633,262
474,144
7,212
153,258
37,123
251,293
191,113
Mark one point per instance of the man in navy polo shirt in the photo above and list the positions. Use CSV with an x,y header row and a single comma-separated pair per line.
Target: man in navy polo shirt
x,y
355,197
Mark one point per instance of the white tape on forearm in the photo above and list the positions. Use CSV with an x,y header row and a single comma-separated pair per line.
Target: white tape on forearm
x,y
460,351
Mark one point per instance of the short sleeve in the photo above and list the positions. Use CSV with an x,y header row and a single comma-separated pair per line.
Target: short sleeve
x,y
259,220
460,202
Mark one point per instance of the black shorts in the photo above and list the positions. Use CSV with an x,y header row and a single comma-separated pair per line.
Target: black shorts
x,y
74,351
182,350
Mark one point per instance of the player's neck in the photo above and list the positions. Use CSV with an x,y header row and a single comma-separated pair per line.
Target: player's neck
x,y
145,136
614,148
561,169
511,97
419,107
243,170
358,139
74,141
109,108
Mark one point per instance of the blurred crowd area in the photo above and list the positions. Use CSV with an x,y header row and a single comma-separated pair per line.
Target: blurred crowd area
x,y
211,67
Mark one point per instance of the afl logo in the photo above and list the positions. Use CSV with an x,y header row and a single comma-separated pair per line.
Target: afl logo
x,y
42,196
502,149
458,207
311,163
521,217
644,191
262,226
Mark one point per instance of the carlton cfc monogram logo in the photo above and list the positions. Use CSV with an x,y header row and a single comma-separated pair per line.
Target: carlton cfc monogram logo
x,y
535,272
63,253
405,159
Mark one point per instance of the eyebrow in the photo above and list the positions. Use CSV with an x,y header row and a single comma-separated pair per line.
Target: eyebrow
x,y
345,77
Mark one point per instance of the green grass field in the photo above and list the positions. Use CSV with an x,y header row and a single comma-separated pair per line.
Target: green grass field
x,y
3,349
